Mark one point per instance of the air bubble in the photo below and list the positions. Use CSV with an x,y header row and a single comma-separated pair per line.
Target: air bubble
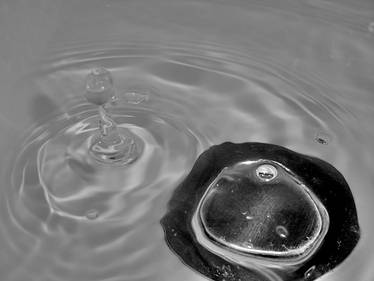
x,y
266,172
282,231
323,138
92,214
308,274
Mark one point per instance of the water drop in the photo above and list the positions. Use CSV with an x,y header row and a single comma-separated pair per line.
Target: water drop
x,y
266,172
323,138
92,214
99,86
282,231
248,244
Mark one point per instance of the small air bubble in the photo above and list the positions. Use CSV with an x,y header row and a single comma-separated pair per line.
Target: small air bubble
x,y
323,138
309,272
266,172
282,231
99,86
92,214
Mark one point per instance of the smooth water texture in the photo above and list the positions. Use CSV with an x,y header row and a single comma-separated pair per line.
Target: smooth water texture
x,y
187,74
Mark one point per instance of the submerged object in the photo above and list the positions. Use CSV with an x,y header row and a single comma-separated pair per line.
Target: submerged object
x,y
256,211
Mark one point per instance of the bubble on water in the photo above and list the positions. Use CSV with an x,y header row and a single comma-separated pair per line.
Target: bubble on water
x,y
99,86
266,172
371,27
134,97
248,244
309,273
323,138
282,231
92,214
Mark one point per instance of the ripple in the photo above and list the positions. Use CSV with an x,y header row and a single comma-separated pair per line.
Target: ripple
x,y
57,191
178,100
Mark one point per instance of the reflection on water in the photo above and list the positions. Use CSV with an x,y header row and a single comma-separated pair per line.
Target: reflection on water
x,y
188,74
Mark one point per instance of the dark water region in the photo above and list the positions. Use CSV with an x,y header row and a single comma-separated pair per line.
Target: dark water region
x,y
187,75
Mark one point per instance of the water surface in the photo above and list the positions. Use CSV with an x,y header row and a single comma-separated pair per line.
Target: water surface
x,y
296,74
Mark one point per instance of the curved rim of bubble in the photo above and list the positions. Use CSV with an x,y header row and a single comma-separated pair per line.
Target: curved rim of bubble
x,y
247,256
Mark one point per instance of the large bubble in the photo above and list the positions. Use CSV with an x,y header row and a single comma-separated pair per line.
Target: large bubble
x,y
258,211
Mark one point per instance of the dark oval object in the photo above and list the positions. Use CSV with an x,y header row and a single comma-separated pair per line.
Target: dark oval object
x,y
256,211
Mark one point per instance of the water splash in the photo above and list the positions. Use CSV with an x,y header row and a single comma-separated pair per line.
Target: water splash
x,y
110,146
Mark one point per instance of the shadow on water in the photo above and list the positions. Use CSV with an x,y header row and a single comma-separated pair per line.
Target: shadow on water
x,y
42,106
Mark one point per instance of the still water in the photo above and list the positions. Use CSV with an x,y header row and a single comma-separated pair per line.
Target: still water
x,y
187,74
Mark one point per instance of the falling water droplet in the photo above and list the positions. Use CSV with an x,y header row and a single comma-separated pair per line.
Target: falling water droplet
x,y
323,138
92,214
266,172
282,231
99,86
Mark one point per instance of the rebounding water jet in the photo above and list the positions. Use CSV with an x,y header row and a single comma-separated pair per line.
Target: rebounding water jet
x,y
110,146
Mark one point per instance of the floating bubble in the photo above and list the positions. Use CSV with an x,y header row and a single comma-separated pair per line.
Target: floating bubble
x,y
99,86
276,209
266,172
309,273
323,138
282,231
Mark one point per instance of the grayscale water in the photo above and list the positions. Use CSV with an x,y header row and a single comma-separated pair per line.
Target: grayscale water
x,y
188,74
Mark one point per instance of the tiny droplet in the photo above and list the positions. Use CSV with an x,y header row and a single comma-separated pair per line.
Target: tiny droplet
x,y
248,244
282,231
266,172
309,272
